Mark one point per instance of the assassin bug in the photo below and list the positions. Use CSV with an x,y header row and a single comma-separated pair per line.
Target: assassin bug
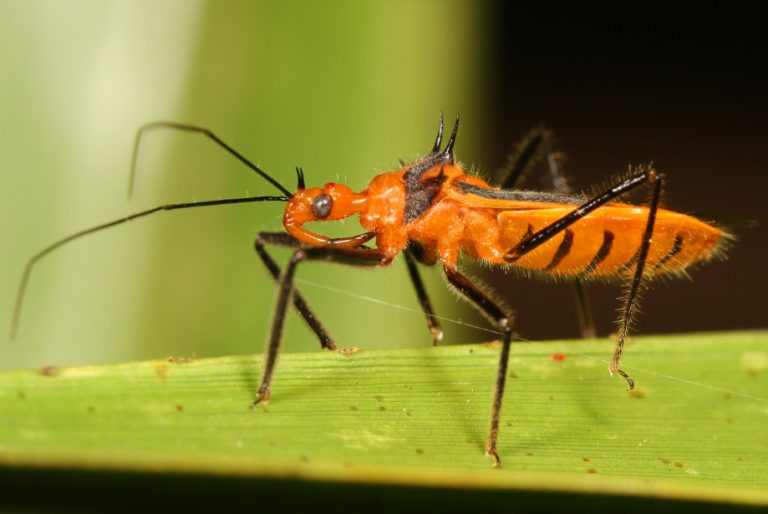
x,y
432,211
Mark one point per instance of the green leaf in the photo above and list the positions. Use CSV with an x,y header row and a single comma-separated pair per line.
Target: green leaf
x,y
694,428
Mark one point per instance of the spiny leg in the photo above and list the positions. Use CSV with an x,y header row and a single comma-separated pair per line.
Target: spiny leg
x,y
503,320
534,145
542,236
421,293
630,301
537,146
363,257
284,239
584,310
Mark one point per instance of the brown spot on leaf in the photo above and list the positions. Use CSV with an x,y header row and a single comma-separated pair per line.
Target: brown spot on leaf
x,y
529,454
353,407
592,471
49,371
586,459
666,461
379,397
729,421
419,451
179,407
21,395
637,394
512,374
180,360
678,464
382,408
304,458
91,409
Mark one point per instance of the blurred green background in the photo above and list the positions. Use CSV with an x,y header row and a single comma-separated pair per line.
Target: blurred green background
x,y
343,89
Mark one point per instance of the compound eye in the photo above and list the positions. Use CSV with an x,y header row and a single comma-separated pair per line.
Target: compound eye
x,y
321,206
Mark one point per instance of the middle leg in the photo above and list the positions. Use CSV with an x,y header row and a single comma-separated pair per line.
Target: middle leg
x,y
503,320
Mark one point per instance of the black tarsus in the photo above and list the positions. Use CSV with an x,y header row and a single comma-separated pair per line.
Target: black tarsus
x,y
199,130
167,207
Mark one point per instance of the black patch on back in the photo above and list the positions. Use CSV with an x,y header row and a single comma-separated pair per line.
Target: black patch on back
x,y
519,195
419,194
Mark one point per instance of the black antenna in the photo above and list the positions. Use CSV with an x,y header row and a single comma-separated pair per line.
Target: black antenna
x,y
300,177
439,139
199,130
168,207
448,152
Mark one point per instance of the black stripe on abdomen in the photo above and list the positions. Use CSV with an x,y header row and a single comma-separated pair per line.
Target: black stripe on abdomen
x,y
562,250
676,247
602,252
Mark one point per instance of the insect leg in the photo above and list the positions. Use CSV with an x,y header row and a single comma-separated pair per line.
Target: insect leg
x,y
364,257
421,293
168,207
503,320
528,152
285,239
199,130
537,144
630,300
540,237
584,310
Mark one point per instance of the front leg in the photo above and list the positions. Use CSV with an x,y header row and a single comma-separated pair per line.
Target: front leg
x,y
285,239
413,253
363,257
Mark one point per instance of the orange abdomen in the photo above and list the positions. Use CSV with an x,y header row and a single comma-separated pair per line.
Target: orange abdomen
x,y
606,242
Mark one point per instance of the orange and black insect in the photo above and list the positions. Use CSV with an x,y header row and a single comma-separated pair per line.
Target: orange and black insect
x,y
432,212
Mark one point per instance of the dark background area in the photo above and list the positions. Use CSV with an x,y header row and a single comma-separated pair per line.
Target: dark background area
x,y
683,87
